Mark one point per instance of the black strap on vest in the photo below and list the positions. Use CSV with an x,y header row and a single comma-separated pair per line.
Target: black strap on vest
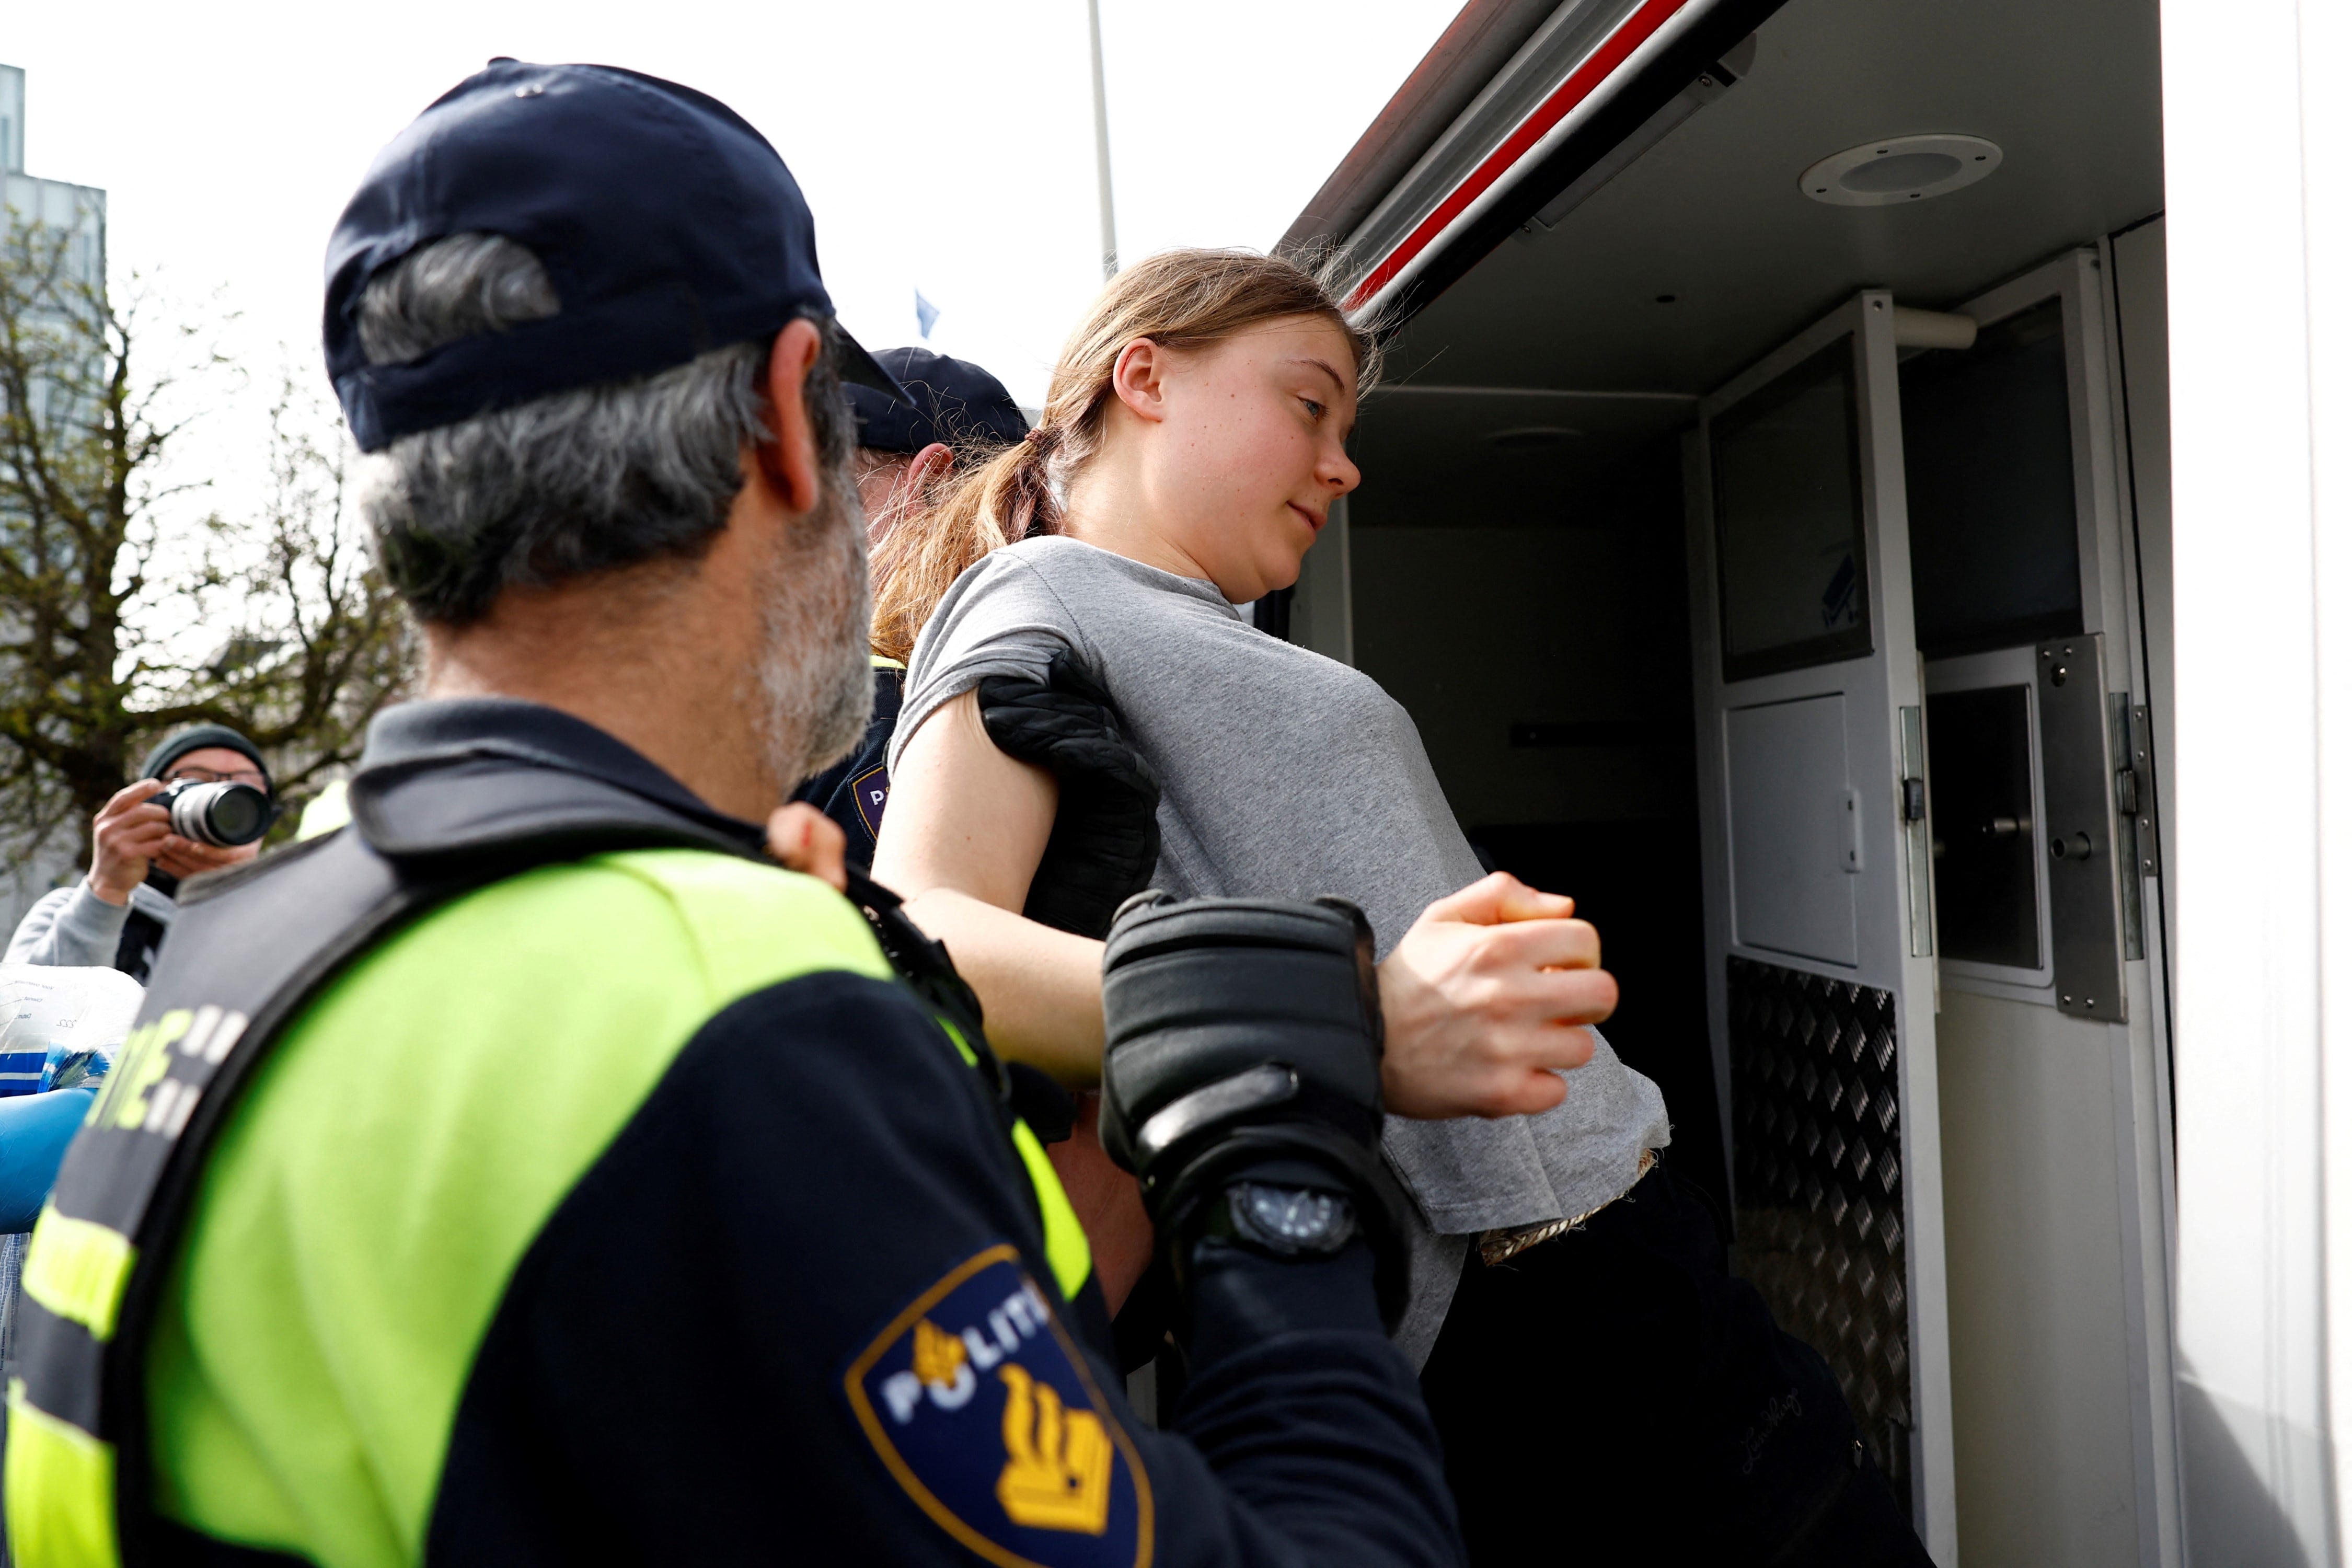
x,y
250,949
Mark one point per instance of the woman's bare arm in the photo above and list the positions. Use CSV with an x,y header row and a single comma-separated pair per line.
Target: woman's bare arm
x,y
961,839
1486,995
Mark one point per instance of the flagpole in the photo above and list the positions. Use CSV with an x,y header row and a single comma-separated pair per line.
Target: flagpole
x,y
1102,145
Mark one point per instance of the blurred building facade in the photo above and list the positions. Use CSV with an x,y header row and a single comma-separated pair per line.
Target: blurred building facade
x,y
78,212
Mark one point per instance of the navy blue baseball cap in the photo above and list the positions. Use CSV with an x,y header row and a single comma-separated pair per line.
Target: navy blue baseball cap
x,y
950,400
667,226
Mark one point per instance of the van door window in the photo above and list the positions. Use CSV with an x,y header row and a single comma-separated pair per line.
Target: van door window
x,y
1788,500
1989,469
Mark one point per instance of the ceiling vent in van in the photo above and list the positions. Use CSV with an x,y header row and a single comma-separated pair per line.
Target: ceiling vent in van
x,y
1899,169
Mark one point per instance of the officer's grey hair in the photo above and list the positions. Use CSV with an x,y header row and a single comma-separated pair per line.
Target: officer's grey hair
x,y
572,483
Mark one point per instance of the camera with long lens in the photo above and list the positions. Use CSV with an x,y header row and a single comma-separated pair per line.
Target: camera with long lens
x,y
223,814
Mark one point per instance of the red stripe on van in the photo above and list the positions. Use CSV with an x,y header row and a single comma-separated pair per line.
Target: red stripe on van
x,y
1630,35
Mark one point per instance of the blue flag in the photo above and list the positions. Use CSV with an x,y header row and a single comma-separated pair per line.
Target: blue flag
x,y
926,314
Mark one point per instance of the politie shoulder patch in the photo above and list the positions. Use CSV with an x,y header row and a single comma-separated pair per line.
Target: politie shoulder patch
x,y
872,788
984,1409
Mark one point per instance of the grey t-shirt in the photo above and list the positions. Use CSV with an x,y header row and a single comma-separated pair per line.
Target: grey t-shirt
x,y
1285,775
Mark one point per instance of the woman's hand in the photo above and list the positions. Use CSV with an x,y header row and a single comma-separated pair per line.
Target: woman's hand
x,y
1487,995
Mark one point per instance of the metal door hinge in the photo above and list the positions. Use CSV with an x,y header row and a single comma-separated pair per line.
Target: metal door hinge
x,y
1918,850
2135,816
2142,753
2093,908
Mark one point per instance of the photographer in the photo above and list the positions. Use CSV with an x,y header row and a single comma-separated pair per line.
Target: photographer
x,y
117,914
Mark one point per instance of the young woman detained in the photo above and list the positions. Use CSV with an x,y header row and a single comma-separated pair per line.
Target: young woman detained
x,y
1197,423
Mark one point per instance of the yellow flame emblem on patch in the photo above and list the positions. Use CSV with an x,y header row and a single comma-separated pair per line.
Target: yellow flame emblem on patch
x,y
1057,1462
939,1356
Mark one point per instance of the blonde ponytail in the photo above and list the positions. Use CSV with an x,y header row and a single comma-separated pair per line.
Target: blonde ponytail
x,y
1008,497
1180,300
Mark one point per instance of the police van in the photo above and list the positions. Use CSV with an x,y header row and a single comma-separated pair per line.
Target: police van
x,y
1768,516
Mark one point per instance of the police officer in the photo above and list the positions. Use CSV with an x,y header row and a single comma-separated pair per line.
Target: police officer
x,y
954,408
532,1171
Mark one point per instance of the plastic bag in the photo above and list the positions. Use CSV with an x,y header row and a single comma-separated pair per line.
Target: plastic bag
x,y
58,1026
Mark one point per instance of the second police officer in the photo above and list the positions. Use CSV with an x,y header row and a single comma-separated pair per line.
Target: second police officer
x,y
953,411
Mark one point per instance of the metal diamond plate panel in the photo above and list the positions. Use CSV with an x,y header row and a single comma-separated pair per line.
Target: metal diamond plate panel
x,y
1817,1173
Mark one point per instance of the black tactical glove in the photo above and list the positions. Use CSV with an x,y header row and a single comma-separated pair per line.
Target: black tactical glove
x,y
1105,836
1241,1077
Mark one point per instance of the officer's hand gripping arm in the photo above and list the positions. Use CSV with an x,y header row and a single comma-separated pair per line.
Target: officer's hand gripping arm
x,y
1105,836
1244,1047
1241,1084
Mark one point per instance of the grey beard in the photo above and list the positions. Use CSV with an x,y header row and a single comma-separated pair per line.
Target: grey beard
x,y
816,679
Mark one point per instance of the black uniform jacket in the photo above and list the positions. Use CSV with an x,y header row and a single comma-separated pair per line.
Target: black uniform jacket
x,y
800,1310
854,791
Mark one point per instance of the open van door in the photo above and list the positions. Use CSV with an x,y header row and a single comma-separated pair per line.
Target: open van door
x,y
2050,928
1817,857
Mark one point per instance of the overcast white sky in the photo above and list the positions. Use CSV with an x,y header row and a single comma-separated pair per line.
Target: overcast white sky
x,y
943,146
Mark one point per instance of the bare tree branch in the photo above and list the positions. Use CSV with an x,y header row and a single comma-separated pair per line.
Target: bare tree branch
x,y
100,587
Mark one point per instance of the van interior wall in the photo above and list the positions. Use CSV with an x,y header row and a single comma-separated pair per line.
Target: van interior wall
x,y
1489,595
1538,637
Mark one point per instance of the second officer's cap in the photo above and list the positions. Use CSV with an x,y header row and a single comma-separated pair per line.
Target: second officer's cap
x,y
949,400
